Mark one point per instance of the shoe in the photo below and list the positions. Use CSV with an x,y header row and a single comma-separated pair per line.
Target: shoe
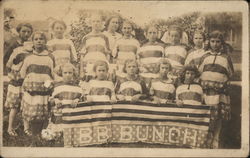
x,y
12,133
28,132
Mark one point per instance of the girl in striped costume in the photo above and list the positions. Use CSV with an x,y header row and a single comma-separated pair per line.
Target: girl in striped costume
x,y
62,49
66,91
131,87
113,24
189,92
13,98
162,88
175,51
95,46
150,54
125,48
36,70
198,51
101,89
216,70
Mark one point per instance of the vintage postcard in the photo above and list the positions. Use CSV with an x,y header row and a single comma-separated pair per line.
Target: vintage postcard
x,y
124,78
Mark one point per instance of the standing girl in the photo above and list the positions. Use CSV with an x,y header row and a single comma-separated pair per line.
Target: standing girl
x,y
198,51
13,99
126,47
175,51
216,70
150,54
62,49
95,46
112,25
162,88
132,87
36,70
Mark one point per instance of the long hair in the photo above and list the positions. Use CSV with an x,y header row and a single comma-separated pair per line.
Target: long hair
x,y
219,35
188,68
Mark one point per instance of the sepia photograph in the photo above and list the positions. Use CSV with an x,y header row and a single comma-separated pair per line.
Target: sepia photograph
x,y
124,78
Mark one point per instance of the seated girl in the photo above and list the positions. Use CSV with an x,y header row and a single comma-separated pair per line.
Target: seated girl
x,y
100,89
189,92
162,88
131,87
66,91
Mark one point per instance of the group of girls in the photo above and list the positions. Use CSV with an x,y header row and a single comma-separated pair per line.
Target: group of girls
x,y
112,67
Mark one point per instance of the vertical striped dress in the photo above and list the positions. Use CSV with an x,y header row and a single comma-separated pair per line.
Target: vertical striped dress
x,y
100,90
128,88
216,70
63,51
191,94
149,56
36,70
95,47
13,98
125,49
177,55
164,90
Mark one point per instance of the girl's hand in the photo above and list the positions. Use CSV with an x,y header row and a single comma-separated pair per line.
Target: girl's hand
x,y
74,104
156,100
179,103
135,98
48,84
120,97
57,103
89,99
113,100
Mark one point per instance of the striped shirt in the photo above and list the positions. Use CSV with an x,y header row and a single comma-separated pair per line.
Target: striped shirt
x,y
176,55
125,49
216,67
66,92
63,51
129,88
194,57
164,90
95,47
37,68
112,38
100,90
191,94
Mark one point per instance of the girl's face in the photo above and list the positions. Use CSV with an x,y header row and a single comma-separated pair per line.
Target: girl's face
x,y
152,34
174,37
101,72
58,30
215,44
96,23
39,41
189,77
67,74
164,69
113,24
131,68
198,40
25,33
126,29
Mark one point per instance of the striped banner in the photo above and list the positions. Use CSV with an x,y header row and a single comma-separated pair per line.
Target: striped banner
x,y
124,122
